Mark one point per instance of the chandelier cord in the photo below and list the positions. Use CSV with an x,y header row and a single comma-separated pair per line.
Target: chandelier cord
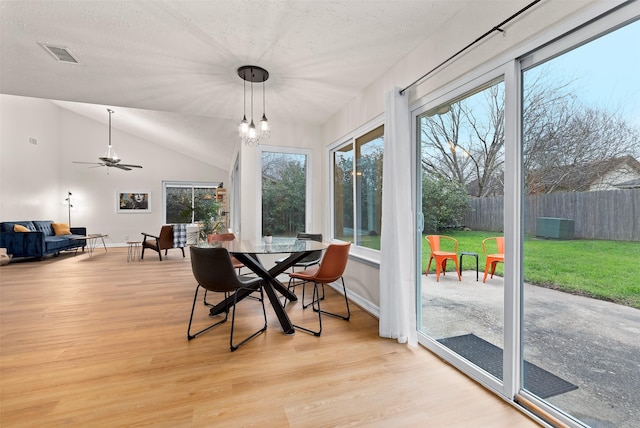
x,y
495,28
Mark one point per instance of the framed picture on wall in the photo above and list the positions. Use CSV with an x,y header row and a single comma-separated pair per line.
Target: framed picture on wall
x,y
133,201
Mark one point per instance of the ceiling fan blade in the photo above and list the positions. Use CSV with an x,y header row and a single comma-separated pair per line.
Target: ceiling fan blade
x,y
129,165
88,163
124,167
109,160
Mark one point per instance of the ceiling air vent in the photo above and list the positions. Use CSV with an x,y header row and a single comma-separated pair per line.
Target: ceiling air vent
x,y
60,53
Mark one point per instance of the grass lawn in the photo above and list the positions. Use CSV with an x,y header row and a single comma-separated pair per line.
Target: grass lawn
x,y
607,270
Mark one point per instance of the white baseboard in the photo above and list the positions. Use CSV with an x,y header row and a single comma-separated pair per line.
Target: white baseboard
x,y
359,300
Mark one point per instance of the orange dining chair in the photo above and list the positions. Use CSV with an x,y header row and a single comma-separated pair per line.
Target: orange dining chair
x,y
330,269
441,257
493,259
217,237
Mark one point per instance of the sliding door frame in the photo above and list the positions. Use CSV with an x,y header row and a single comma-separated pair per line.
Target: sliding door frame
x,y
447,95
579,29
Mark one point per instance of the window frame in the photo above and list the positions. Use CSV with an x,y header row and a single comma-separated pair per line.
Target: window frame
x,y
184,184
449,94
367,255
308,175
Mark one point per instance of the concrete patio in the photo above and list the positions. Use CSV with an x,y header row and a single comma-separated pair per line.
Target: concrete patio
x,y
591,343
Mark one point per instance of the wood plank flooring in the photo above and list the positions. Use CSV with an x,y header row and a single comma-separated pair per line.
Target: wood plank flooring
x,y
91,342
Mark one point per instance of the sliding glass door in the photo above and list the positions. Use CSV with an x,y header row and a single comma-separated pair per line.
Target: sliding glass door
x,y
462,181
581,174
533,171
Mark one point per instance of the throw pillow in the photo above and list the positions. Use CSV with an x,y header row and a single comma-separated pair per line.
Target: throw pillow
x,y
4,257
61,229
20,228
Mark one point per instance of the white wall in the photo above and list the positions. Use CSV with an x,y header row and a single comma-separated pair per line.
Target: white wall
x,y
29,176
35,179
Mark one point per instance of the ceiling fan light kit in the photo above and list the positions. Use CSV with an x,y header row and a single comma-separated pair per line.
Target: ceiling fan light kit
x,y
250,135
111,159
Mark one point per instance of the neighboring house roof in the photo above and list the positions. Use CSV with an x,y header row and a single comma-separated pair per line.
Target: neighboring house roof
x,y
597,175
631,184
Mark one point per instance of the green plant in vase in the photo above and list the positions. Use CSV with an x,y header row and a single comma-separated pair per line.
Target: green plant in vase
x,y
206,213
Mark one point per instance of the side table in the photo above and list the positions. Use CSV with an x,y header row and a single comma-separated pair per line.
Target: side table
x,y
133,250
91,241
469,253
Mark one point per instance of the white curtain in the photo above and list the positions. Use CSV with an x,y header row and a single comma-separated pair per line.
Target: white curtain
x,y
397,254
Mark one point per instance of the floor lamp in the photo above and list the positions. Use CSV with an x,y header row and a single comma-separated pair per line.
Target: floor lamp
x,y
69,206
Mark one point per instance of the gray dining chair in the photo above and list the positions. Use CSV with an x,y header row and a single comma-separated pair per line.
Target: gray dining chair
x,y
214,271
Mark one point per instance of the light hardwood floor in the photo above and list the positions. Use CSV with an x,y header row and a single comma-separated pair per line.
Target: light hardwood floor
x,y
101,342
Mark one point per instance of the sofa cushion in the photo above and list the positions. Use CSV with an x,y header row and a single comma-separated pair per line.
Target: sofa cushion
x,y
7,226
56,243
61,229
44,226
20,228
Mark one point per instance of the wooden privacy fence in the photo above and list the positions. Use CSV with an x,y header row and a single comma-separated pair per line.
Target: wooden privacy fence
x,y
608,214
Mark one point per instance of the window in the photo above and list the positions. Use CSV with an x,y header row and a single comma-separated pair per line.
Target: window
x,y
357,189
284,192
184,202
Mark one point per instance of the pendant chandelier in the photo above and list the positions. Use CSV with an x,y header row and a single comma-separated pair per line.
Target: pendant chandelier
x,y
249,133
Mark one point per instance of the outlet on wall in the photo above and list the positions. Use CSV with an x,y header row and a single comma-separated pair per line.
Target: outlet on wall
x,y
126,237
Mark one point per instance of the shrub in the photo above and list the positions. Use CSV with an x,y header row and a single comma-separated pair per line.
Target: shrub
x,y
444,203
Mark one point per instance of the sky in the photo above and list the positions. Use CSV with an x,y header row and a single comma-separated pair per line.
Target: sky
x,y
607,71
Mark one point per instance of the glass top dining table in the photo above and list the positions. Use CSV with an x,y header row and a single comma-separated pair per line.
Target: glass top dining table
x,y
248,252
277,246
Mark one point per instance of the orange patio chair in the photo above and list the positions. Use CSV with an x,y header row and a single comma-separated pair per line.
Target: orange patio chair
x,y
493,259
441,257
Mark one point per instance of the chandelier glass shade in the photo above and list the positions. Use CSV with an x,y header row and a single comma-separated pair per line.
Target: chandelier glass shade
x,y
250,134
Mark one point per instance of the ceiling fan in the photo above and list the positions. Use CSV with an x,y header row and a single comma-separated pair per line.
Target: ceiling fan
x,y
111,159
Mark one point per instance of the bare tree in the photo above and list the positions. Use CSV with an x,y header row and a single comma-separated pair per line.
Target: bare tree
x,y
565,142
466,143
561,138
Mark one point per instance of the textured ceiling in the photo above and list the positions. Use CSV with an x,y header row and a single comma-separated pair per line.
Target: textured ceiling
x,y
168,68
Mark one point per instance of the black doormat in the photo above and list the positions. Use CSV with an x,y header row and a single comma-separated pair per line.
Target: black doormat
x,y
489,357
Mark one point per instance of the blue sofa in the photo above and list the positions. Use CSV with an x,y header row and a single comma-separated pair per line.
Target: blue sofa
x,y
40,241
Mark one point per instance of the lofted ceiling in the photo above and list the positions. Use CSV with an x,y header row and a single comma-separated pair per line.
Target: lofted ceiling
x,y
168,68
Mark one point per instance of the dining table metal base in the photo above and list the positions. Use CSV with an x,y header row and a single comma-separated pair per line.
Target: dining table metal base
x,y
271,285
